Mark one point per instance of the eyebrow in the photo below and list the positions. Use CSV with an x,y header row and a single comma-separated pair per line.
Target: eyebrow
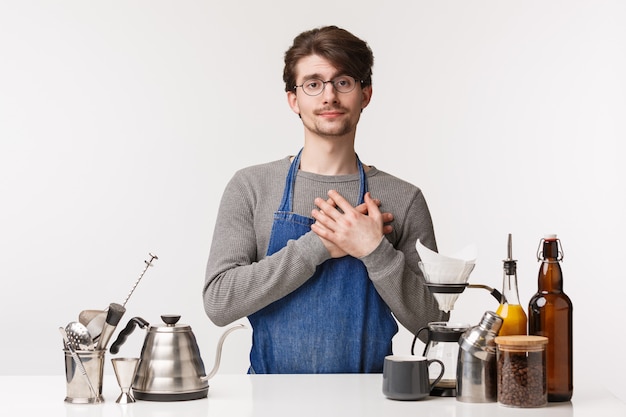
x,y
320,77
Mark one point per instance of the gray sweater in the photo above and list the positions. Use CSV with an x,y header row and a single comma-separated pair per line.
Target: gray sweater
x,y
241,280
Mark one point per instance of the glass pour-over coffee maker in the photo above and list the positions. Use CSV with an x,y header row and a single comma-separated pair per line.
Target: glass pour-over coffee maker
x,y
446,277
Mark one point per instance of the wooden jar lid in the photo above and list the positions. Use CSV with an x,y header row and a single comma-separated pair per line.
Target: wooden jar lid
x,y
521,340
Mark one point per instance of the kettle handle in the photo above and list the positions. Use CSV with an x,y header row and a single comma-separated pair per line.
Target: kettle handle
x,y
130,327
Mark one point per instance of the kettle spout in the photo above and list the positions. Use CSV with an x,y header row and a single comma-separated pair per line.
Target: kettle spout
x,y
218,353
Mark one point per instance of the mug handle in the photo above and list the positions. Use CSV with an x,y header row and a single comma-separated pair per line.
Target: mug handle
x,y
443,369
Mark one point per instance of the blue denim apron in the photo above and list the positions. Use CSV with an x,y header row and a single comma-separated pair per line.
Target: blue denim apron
x,y
334,323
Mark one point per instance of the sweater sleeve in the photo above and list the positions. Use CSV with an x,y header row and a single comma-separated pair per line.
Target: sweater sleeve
x,y
241,280
396,274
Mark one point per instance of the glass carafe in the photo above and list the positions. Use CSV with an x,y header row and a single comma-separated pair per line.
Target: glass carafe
x,y
443,344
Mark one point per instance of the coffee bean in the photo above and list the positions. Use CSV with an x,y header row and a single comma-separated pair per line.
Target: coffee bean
x,y
522,378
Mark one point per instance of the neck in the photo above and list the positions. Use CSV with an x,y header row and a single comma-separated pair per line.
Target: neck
x,y
329,158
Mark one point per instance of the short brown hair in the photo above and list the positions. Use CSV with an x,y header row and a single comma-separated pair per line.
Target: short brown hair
x,y
341,48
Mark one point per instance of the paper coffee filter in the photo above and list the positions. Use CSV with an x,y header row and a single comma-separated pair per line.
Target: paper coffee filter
x,y
446,301
446,272
465,255
441,269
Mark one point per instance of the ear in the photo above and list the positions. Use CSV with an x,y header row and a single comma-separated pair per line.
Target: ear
x,y
366,93
292,99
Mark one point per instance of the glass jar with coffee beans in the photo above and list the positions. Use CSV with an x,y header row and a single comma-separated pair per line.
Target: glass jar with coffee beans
x,y
521,371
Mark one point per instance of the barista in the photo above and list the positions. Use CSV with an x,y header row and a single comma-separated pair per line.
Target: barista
x,y
317,250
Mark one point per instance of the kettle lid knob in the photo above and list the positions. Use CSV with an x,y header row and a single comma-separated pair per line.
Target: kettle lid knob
x,y
170,319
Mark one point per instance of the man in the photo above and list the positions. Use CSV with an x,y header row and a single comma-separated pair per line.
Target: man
x,y
302,248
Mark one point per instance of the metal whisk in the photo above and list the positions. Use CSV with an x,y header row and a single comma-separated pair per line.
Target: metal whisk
x,y
148,265
116,311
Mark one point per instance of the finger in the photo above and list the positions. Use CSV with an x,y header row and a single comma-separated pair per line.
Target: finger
x,y
320,202
326,207
372,207
331,202
341,202
323,219
319,228
387,217
362,208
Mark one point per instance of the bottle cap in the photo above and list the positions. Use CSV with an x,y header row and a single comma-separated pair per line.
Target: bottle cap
x,y
550,236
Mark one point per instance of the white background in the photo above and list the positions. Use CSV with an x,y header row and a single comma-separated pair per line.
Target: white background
x,y
122,121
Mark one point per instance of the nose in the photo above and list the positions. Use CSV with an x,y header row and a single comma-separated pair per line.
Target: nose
x,y
329,93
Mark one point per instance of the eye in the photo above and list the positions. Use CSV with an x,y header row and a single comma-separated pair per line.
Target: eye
x,y
312,84
344,82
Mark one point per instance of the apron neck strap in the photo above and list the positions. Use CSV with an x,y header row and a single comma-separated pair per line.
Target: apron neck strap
x,y
287,200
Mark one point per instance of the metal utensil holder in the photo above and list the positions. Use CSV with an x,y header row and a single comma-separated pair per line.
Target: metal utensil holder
x,y
78,390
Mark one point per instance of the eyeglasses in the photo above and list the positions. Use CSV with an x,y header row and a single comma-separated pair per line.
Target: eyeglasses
x,y
315,86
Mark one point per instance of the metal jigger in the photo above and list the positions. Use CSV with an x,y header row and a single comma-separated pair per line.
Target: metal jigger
x,y
125,369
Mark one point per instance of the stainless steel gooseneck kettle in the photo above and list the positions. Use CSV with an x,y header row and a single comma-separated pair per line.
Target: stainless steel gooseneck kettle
x,y
170,367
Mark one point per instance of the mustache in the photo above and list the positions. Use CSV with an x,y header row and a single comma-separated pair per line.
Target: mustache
x,y
331,108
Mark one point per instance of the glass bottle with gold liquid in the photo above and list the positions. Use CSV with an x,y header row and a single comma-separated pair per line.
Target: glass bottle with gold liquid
x,y
514,315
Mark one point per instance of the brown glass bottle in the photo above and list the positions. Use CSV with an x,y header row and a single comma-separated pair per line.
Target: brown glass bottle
x,y
550,315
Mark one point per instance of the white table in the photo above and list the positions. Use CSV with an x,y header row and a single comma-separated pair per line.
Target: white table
x,y
283,395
